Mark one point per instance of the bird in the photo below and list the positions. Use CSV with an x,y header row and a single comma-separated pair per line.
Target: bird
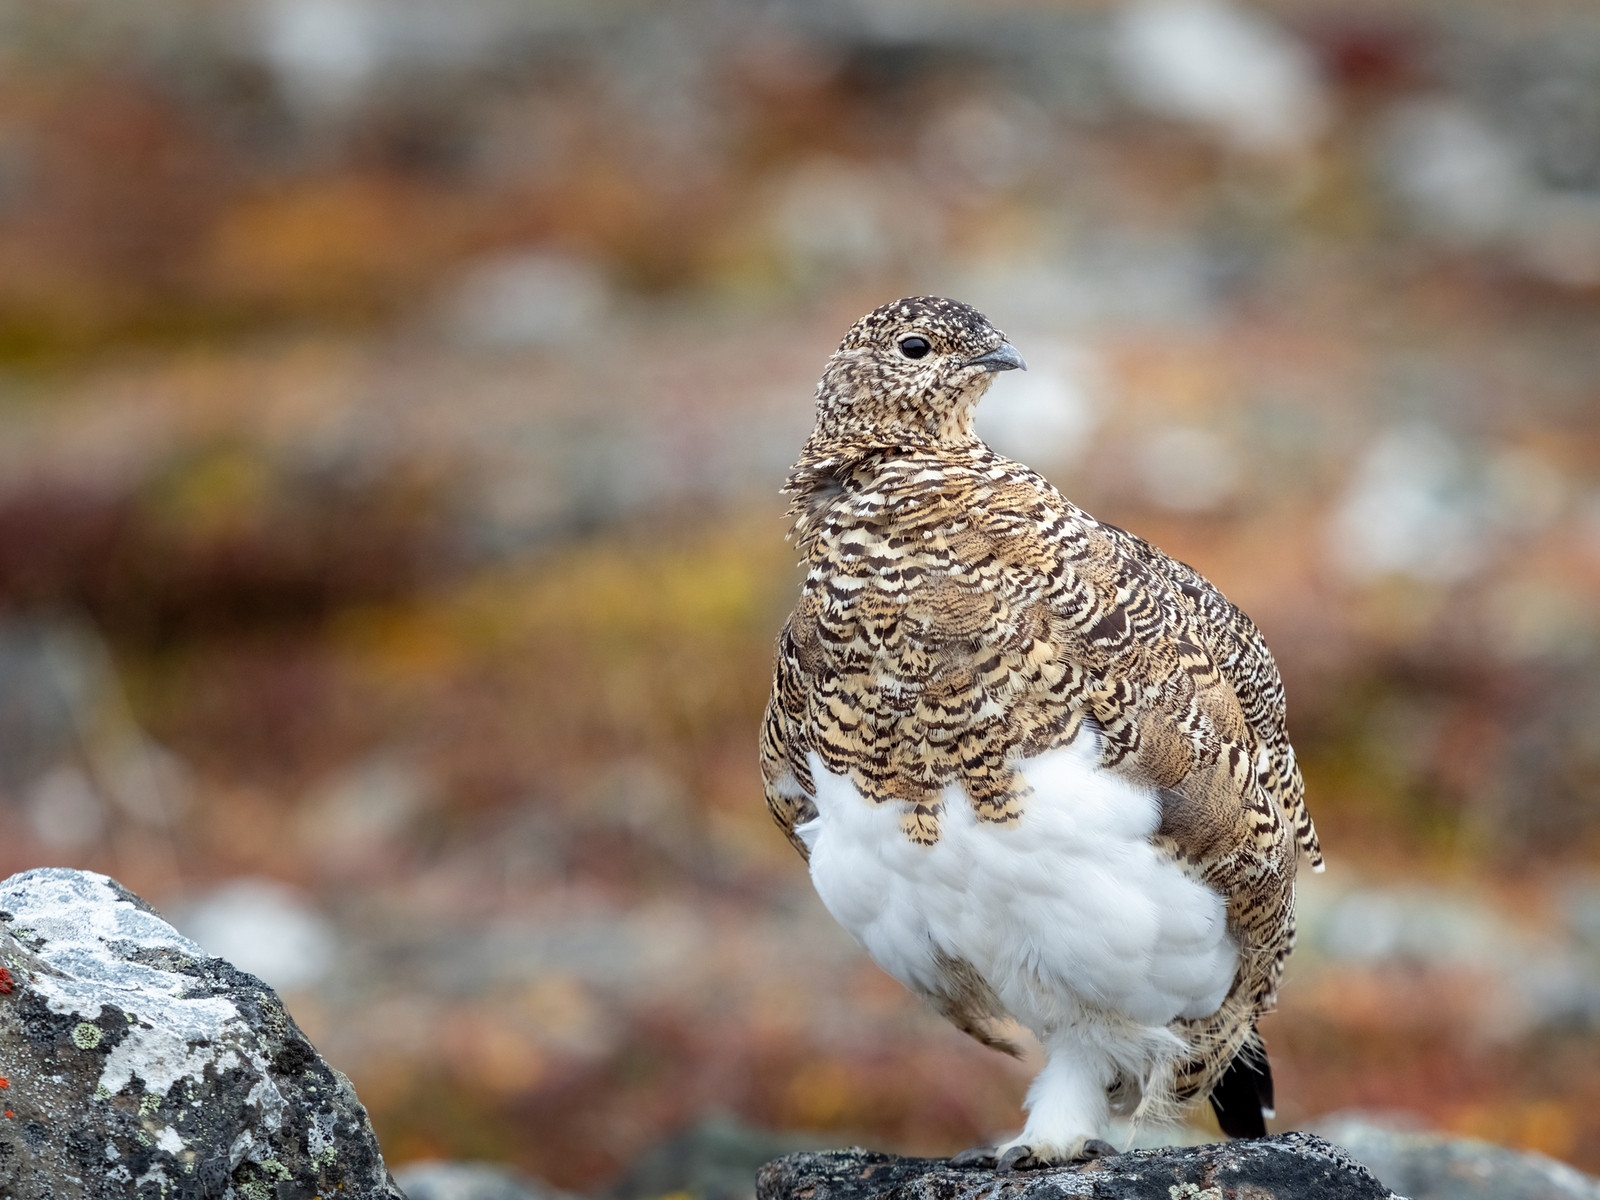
x,y
1038,769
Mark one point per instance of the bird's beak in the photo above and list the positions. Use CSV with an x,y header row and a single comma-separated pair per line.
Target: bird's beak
x,y
1003,357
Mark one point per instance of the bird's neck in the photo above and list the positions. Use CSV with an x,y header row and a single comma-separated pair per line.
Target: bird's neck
x,y
833,463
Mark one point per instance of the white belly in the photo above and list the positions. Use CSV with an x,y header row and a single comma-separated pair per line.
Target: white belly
x,y
1069,908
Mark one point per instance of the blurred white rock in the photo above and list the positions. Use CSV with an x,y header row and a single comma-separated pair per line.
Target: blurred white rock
x,y
1187,469
326,55
1398,1148
321,52
1432,929
263,927
1221,66
1117,279
64,810
1421,504
469,1181
1529,977
1046,414
1461,178
1411,508
1468,182
524,299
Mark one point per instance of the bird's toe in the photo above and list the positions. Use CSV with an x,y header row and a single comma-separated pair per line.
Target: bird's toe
x,y
1096,1148
977,1156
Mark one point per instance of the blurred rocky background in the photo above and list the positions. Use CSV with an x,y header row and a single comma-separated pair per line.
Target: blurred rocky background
x,y
393,400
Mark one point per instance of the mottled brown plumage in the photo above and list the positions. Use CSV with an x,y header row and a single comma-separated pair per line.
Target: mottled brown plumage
x,y
959,614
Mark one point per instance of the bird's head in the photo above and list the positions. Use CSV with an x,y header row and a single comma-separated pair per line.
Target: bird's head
x,y
913,371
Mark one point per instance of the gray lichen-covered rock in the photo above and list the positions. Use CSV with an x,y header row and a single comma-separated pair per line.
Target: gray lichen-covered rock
x,y
1433,1166
138,1066
1291,1166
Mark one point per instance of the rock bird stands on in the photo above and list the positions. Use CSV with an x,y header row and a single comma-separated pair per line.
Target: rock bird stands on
x,y
1038,768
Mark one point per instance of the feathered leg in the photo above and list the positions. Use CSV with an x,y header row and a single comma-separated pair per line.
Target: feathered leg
x,y
1068,1110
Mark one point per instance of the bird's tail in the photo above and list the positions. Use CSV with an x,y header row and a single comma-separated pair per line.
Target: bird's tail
x,y
1242,1097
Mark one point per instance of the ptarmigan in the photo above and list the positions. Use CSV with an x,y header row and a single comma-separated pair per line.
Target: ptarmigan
x,y
1038,768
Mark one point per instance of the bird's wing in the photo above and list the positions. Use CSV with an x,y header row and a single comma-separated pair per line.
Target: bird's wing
x,y
1186,697
953,617
1239,652
785,772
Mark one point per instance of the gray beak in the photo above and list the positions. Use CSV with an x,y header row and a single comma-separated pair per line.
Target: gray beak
x,y
1003,357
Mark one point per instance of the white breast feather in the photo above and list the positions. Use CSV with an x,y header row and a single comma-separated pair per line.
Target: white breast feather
x,y
1070,908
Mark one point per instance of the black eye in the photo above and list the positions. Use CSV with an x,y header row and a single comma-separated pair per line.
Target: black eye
x,y
914,347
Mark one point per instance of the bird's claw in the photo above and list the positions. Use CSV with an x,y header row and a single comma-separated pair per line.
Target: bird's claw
x,y
1017,1158
1023,1157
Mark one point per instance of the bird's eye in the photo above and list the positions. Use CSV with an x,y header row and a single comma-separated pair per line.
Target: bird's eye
x,y
914,347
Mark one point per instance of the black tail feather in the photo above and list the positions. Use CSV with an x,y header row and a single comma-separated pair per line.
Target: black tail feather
x,y
1243,1096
